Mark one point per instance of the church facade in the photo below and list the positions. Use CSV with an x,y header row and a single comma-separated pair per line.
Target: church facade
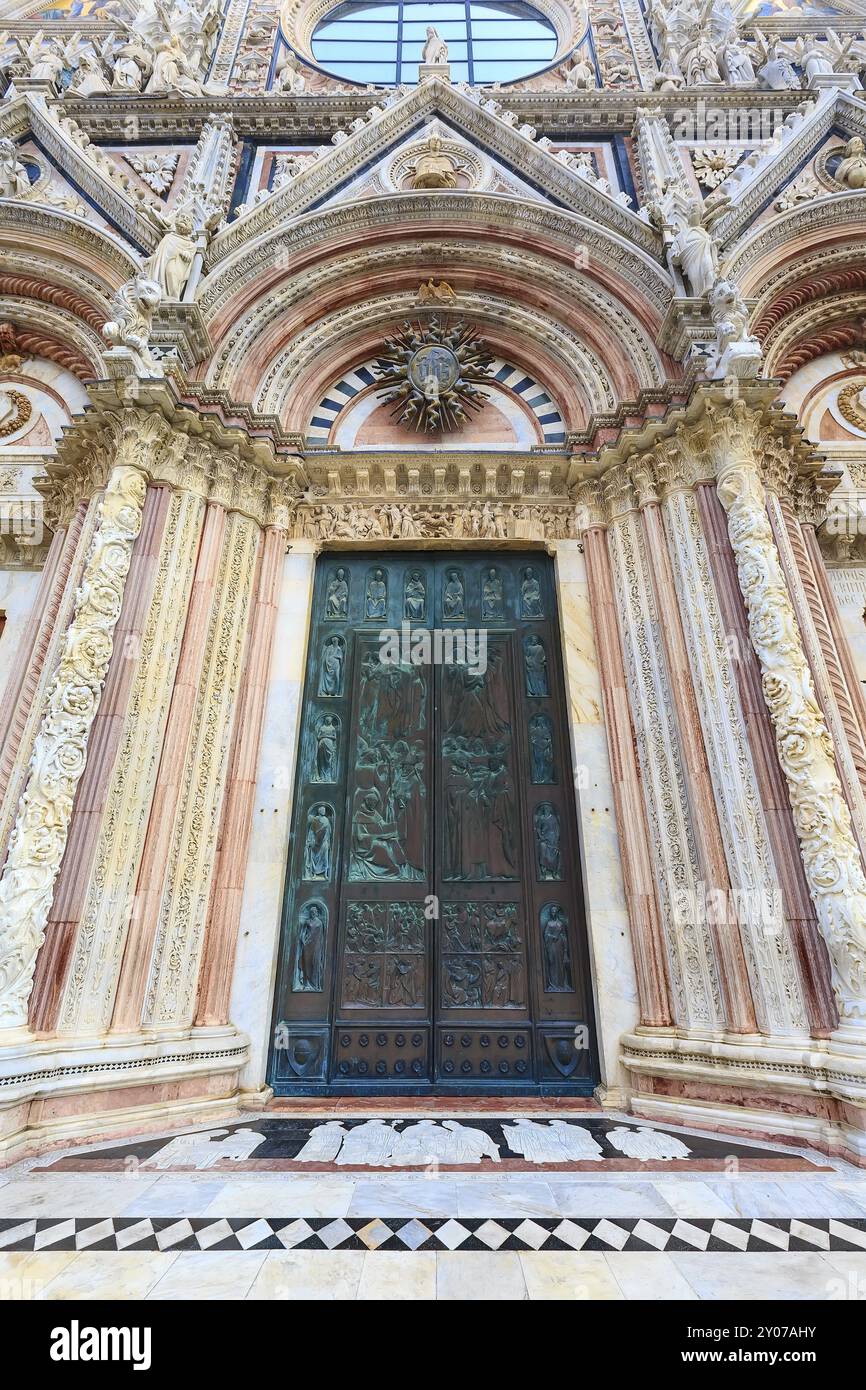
x,y
432,463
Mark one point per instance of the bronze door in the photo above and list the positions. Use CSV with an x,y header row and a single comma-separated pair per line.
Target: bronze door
x,y
433,936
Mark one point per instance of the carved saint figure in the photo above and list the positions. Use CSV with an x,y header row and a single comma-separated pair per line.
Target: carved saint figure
x,y
462,982
530,595
131,66
327,741
547,835
491,596
414,597
317,847
171,69
401,990
337,597
310,949
540,749
432,168
647,1144
535,665
695,251
323,1143
452,596
333,657
557,954
377,595
376,848
581,74
370,1144
172,260
14,180
435,50
852,170
738,64
701,66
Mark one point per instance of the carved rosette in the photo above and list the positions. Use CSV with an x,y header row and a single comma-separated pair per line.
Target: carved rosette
x,y
39,838
821,818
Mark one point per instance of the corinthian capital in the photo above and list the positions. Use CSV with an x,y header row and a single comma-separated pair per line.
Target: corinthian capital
x,y
589,508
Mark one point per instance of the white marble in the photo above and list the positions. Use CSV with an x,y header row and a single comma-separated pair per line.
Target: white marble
x,y
258,941
212,1274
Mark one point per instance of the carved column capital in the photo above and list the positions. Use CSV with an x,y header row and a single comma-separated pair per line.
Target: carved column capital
x,y
618,492
644,477
589,509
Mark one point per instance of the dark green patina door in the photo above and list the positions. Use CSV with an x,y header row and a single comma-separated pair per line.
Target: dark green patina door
x,y
433,935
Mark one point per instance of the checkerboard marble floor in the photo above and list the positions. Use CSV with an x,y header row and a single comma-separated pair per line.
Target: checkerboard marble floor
x,y
653,1234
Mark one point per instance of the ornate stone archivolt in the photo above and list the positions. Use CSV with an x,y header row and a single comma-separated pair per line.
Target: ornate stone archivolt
x,y
834,869
57,762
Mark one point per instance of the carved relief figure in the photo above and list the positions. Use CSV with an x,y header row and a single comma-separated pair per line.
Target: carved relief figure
x,y
14,180
317,846
852,169
310,949
433,168
530,595
376,602
323,1143
452,597
556,950
414,597
327,743
401,988
333,659
337,597
491,596
541,749
547,837
370,1144
535,665
647,1144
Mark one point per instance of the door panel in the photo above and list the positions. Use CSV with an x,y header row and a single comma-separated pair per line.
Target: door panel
x,y
433,934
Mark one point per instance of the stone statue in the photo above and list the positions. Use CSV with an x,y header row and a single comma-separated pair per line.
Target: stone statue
x,y
669,77
581,74
695,252
172,71
172,260
14,181
290,77
435,50
44,57
813,58
738,352
702,68
852,170
433,169
130,325
132,65
738,65
90,79
776,74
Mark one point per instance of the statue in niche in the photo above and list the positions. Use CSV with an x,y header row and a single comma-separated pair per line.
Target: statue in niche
x,y
172,260
376,604
435,49
333,659
14,179
453,596
491,596
401,989
557,953
414,597
852,170
327,743
337,597
695,252
310,949
535,666
530,595
317,846
540,749
547,837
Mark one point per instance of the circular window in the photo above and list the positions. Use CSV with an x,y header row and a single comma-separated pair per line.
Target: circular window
x,y
382,43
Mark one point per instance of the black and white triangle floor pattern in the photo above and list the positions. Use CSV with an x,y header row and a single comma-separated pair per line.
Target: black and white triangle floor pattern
x,y
742,1234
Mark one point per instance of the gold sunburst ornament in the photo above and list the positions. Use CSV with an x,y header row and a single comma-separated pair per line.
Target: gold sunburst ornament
x,y
431,374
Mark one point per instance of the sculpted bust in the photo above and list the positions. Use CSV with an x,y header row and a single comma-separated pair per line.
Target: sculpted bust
x,y
852,170
433,169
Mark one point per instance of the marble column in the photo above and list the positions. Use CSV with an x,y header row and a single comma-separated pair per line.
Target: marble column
x,y
716,899
224,912
94,901
37,661
828,846
59,753
693,968
159,990
648,939
849,674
